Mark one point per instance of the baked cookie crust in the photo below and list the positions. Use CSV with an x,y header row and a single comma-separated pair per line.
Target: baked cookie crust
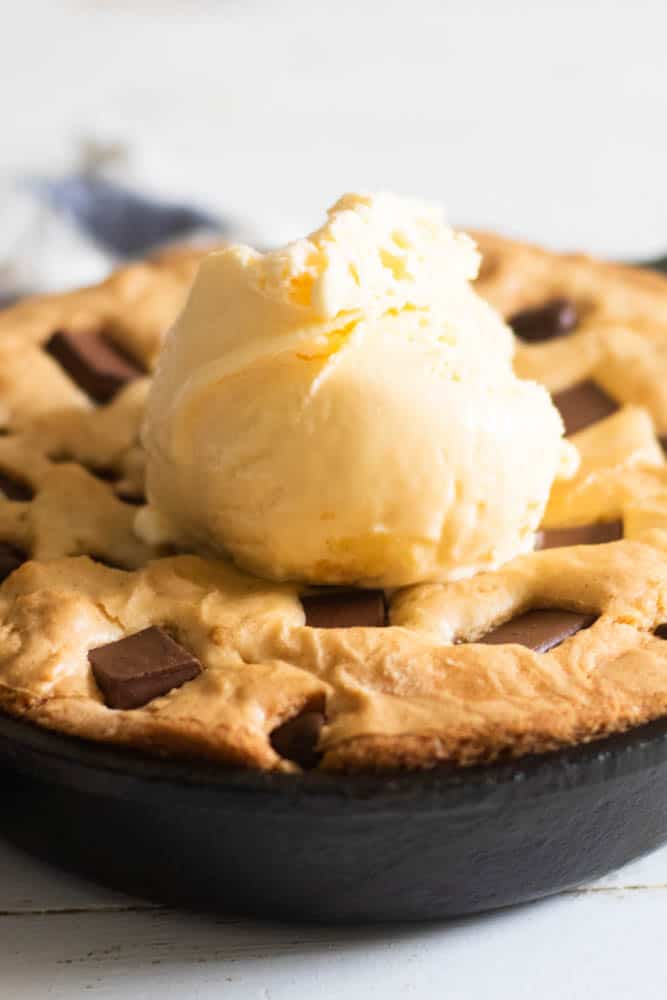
x,y
424,688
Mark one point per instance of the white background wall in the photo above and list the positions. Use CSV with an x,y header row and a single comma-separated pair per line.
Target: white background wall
x,y
546,119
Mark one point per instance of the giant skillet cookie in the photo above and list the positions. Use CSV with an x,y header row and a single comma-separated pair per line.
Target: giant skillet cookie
x,y
560,645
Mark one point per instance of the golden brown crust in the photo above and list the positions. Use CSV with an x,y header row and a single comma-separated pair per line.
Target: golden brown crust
x,y
621,336
418,692
517,275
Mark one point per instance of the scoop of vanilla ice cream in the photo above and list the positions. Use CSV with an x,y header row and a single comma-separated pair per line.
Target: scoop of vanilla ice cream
x,y
344,410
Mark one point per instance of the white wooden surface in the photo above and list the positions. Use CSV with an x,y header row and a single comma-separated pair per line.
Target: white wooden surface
x,y
63,938
542,119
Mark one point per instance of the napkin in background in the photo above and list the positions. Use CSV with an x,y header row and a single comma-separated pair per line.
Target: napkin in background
x,y
61,232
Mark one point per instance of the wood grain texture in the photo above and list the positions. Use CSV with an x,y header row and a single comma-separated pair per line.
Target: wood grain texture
x,y
63,937
592,945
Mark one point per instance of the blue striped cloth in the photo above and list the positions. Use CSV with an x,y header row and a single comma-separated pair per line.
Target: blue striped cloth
x,y
62,232
120,220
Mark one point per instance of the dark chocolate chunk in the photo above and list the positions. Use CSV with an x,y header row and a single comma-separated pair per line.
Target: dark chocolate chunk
x,y
10,559
553,319
134,670
124,491
15,488
97,365
106,561
540,630
131,498
585,534
297,738
103,472
583,404
661,631
345,609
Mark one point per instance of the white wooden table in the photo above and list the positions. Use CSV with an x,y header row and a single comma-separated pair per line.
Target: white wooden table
x,y
61,938
541,119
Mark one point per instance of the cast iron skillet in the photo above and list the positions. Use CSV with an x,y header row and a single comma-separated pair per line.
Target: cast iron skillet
x,y
336,848
404,847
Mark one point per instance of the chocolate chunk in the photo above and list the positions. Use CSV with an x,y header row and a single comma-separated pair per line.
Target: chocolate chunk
x,y
97,366
661,631
106,561
10,559
585,534
15,488
297,738
103,472
131,498
540,630
134,670
553,319
124,491
345,609
584,404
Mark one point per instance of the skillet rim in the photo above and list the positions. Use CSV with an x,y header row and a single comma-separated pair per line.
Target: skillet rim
x,y
69,760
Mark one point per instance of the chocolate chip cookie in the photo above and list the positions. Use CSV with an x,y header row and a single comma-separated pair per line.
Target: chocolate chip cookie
x,y
110,638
